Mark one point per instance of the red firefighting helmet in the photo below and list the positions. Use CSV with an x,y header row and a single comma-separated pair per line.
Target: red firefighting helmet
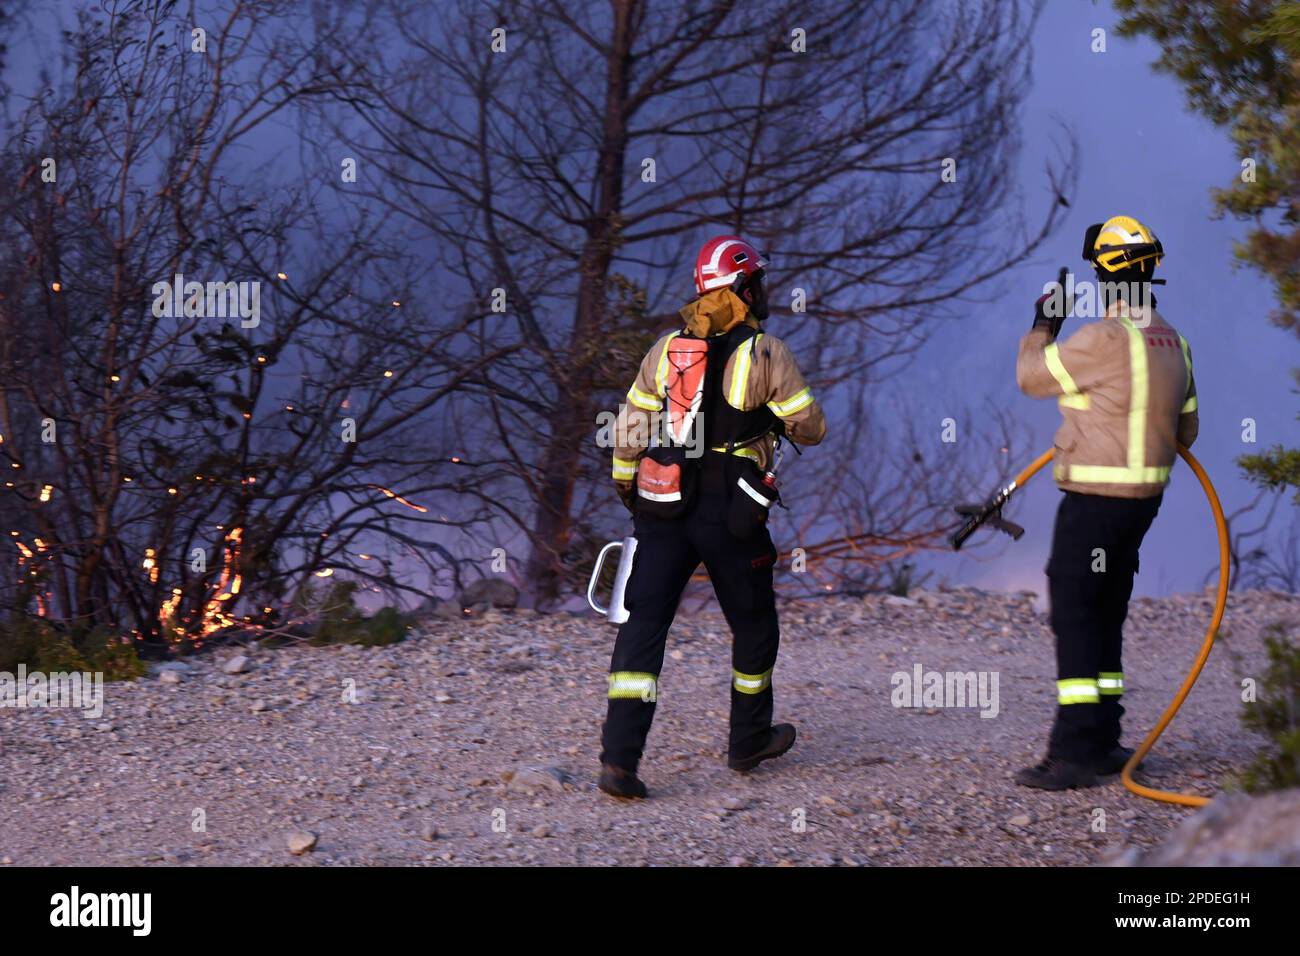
x,y
723,258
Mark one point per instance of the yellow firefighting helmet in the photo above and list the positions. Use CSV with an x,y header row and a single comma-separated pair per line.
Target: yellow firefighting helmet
x,y
1121,242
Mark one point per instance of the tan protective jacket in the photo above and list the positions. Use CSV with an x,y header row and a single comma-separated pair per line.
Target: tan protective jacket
x,y
1127,396
760,372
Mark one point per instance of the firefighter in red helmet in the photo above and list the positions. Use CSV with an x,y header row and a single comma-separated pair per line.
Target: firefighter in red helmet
x,y
694,463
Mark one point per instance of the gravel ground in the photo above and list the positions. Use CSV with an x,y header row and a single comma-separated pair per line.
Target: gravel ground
x,y
476,742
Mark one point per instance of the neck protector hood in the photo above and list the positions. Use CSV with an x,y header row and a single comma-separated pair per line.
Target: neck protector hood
x,y
714,312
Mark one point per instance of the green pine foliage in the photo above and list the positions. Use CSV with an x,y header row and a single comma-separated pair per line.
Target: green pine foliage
x,y
1239,61
340,621
1276,715
42,647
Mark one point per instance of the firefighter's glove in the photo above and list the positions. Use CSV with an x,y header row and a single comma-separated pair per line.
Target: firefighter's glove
x,y
1040,311
1042,320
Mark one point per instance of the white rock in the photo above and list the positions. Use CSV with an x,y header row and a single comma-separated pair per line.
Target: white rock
x,y
1236,829
300,842
448,611
534,779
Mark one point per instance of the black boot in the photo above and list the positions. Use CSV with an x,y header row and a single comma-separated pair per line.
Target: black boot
x,y
780,739
1113,762
618,782
1056,774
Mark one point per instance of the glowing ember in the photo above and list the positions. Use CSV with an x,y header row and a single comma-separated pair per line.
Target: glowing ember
x,y
399,499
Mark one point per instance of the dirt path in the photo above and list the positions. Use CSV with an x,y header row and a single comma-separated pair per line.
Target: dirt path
x,y
438,760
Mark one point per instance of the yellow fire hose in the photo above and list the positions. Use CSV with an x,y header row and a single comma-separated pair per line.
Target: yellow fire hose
x,y
1166,796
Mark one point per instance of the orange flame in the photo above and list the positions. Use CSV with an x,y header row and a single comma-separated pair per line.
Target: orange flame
x,y
169,607
24,556
227,587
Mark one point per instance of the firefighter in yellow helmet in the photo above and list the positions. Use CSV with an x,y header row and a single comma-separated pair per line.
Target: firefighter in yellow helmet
x,y
700,488
1125,390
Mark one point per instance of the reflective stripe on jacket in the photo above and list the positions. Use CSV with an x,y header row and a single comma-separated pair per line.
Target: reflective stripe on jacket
x,y
1127,396
760,372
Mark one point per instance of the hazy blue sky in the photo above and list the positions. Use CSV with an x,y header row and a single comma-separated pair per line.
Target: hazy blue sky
x,y
1143,153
